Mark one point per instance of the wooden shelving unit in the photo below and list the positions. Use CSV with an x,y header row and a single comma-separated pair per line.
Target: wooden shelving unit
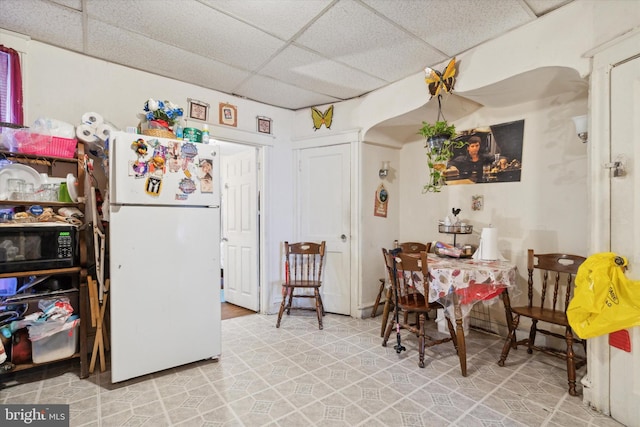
x,y
78,273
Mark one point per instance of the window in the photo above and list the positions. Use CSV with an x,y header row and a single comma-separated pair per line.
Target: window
x,y
10,87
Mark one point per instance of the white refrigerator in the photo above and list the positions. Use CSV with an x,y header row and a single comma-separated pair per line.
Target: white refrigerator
x,y
164,253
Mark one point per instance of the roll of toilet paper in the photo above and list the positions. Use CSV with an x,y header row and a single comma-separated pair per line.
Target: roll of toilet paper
x,y
489,244
86,133
92,118
103,131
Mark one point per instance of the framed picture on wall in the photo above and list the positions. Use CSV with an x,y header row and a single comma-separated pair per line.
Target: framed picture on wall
x,y
228,114
263,124
198,110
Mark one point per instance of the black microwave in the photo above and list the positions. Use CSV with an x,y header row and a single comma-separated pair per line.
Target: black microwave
x,y
38,246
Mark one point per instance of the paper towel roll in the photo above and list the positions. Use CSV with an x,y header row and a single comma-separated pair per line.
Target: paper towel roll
x,y
103,131
489,244
92,118
86,133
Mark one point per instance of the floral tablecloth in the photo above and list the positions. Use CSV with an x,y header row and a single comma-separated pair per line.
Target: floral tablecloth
x,y
469,279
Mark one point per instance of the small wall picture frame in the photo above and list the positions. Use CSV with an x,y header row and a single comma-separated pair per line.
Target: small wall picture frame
x,y
477,202
228,114
198,110
263,124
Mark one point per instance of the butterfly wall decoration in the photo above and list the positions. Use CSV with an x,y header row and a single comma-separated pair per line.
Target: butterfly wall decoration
x,y
438,81
320,118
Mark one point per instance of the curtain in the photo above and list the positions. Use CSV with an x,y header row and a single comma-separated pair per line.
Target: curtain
x,y
11,86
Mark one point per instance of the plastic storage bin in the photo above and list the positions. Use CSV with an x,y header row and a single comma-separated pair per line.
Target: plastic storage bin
x,y
60,345
8,286
23,141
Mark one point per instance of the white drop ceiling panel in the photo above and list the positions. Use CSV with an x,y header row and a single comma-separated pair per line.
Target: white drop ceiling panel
x,y
44,21
141,53
309,70
453,27
367,42
191,26
274,92
282,18
74,4
540,7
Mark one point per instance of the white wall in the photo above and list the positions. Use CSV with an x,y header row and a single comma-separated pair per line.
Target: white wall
x,y
378,231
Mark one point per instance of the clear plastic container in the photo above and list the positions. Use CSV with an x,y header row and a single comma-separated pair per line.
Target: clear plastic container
x,y
60,345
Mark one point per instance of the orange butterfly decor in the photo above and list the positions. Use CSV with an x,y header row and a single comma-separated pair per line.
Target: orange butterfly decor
x,y
438,81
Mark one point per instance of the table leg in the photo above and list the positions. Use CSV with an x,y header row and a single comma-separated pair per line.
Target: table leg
x,y
462,345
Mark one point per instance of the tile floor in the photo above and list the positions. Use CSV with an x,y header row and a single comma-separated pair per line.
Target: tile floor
x,y
300,376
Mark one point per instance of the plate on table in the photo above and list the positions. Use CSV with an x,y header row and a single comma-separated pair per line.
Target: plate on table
x,y
18,171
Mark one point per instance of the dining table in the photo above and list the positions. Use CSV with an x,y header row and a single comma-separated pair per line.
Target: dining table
x,y
459,283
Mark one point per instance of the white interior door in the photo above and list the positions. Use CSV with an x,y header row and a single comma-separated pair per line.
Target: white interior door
x,y
324,213
625,231
240,228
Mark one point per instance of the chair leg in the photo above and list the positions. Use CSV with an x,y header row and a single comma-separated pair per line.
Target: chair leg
x,y
452,333
321,303
385,312
532,336
421,319
319,309
282,305
511,338
374,311
390,326
290,301
571,364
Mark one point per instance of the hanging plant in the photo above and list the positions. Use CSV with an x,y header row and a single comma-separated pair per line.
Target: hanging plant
x,y
440,143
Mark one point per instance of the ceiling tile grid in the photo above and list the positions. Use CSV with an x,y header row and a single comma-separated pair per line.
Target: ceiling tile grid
x,y
288,53
367,43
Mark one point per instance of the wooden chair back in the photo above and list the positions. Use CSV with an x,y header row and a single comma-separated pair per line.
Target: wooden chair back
x,y
556,272
407,268
304,262
414,247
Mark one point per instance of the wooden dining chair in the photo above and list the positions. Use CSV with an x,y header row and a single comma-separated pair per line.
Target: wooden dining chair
x,y
408,269
407,248
303,272
548,304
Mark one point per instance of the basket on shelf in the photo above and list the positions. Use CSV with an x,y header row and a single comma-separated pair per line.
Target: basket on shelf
x,y
455,228
160,133
45,145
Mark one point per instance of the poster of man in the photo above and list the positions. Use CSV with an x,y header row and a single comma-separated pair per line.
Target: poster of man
x,y
489,155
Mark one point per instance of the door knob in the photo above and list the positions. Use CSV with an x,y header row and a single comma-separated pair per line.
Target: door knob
x,y
343,237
